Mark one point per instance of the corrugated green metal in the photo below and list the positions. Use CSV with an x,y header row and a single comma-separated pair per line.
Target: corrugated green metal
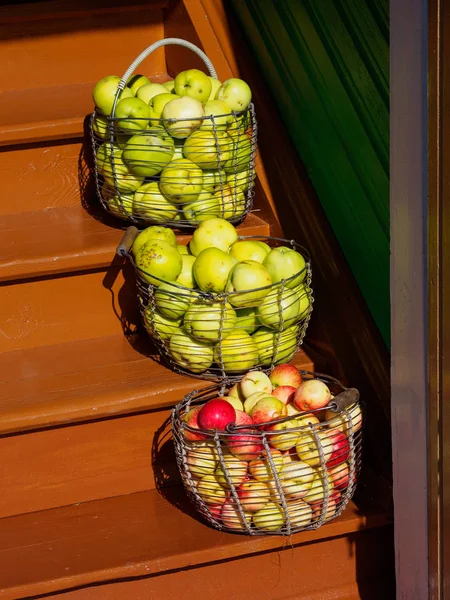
x,y
327,64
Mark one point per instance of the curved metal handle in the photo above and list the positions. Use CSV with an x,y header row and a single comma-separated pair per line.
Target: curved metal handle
x,y
145,53
344,400
127,241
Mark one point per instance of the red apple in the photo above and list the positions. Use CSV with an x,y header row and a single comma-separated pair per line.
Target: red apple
x,y
340,475
340,449
318,506
245,443
242,418
216,414
215,511
285,375
191,419
253,495
311,395
231,517
268,409
285,393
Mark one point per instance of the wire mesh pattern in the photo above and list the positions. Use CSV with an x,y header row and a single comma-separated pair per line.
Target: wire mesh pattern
x,y
174,171
219,336
290,475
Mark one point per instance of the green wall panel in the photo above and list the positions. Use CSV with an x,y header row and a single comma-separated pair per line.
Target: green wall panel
x,y
327,64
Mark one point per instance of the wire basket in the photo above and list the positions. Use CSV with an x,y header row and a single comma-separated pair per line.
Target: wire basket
x,y
175,172
290,475
219,336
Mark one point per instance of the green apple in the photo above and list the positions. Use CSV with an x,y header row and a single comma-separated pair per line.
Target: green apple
x,y
103,157
235,468
274,346
232,202
286,264
148,91
186,277
269,518
100,126
236,93
158,261
217,116
213,232
266,247
212,268
160,326
193,83
189,353
182,249
205,207
215,85
247,250
238,352
210,490
124,181
105,91
240,153
182,116
171,301
170,85
147,154
157,104
213,179
280,309
137,81
119,205
151,205
248,284
247,319
181,181
132,114
209,321
154,232
242,180
208,149
241,123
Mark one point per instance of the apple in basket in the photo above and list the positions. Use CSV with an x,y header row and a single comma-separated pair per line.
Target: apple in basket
x,y
340,448
340,476
286,263
216,414
245,443
255,381
268,409
105,91
312,395
193,83
285,375
285,393
236,93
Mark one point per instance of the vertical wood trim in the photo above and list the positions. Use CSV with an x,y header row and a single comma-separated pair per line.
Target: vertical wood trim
x,y
408,78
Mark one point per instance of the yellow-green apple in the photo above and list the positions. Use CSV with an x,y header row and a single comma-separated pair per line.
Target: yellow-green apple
x,y
241,123
261,469
300,513
304,420
275,347
118,175
208,149
253,495
308,449
215,85
216,414
157,104
154,232
341,421
247,250
232,202
283,435
235,391
249,283
231,517
235,403
255,381
158,261
240,149
147,91
205,207
217,116
340,448
340,474
171,301
201,461
213,232
236,93
101,126
285,374
237,352
212,268
186,277
170,85
193,83
311,394
208,321
213,178
182,116
105,154
296,479
191,420
189,353
148,153
150,204
210,490
120,205
132,114
234,467
182,249
280,309
285,393
269,518
137,81
181,181
159,326
319,484
242,181
247,319
286,264
268,409
250,402
105,91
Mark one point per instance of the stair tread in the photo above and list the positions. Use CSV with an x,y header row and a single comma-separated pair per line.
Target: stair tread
x,y
66,239
142,534
89,379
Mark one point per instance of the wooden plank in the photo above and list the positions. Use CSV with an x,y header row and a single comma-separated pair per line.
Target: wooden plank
x,y
132,536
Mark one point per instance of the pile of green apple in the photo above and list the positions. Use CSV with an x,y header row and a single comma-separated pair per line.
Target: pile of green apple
x,y
182,151
236,303
307,447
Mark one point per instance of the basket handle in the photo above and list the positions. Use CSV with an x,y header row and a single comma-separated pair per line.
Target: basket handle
x,y
145,53
127,241
344,400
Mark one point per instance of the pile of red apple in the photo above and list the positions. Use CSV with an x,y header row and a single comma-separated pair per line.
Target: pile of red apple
x,y
182,152
268,428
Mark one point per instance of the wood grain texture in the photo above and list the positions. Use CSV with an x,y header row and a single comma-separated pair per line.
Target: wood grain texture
x,y
139,535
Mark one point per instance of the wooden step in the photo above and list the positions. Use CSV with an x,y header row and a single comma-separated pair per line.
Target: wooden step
x,y
154,534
